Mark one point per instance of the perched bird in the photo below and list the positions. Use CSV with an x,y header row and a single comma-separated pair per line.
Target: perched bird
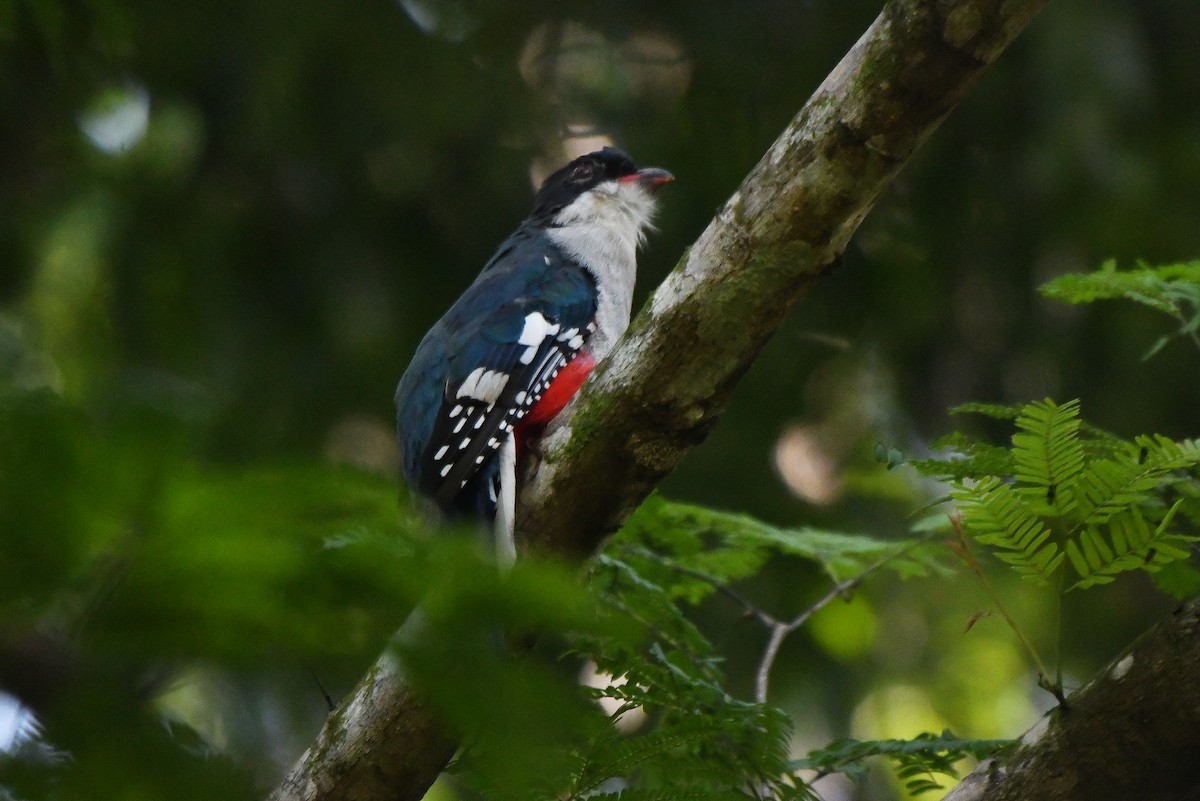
x,y
517,345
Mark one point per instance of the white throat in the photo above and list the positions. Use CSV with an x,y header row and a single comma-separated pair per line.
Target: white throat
x,y
602,229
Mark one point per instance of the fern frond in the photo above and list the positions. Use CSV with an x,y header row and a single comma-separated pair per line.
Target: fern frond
x,y
843,555
1110,486
965,458
996,515
1162,288
713,548
917,760
1181,455
996,411
1133,547
1178,579
1048,451
624,756
1172,289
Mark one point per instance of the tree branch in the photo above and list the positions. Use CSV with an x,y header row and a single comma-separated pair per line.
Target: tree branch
x,y
1132,732
665,386
382,742
781,629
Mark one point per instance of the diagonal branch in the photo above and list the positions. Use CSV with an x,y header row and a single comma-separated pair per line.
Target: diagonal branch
x,y
665,386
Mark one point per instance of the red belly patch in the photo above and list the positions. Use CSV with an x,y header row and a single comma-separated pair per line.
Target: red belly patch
x,y
555,398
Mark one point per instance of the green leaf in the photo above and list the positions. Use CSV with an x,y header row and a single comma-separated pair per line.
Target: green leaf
x,y
915,760
1131,477
1096,502
966,458
721,547
1172,289
995,411
1048,451
1133,547
844,555
624,756
996,515
1178,579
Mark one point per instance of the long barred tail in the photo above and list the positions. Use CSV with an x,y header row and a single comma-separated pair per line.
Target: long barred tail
x,y
506,501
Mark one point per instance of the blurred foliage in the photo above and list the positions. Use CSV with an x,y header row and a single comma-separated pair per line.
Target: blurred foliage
x,y
919,761
671,556
130,568
716,548
225,226
1173,289
186,574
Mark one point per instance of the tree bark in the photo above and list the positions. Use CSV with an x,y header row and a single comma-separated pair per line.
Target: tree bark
x,y
382,742
1132,732
665,385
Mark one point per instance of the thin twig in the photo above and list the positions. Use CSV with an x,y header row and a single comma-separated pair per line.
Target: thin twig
x,y
963,551
312,673
1187,327
780,630
751,609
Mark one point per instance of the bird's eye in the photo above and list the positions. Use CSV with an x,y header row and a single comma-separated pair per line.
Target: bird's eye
x,y
580,174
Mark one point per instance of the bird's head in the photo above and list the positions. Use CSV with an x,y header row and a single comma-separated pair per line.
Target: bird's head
x,y
601,187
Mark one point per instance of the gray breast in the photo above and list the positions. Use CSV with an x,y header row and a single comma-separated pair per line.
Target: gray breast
x,y
612,260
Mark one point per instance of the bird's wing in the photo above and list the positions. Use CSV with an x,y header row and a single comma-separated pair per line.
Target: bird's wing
x,y
502,359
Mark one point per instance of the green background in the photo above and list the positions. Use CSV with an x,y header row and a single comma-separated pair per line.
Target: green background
x,y
225,226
